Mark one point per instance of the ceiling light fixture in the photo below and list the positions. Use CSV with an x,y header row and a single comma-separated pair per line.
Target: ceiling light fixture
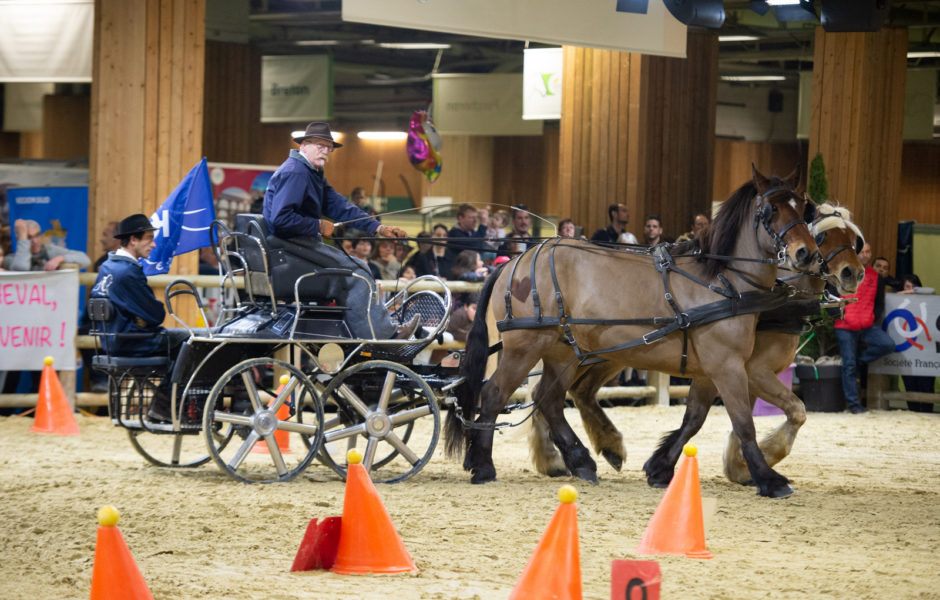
x,y
317,43
382,135
413,46
782,2
753,78
737,38
929,54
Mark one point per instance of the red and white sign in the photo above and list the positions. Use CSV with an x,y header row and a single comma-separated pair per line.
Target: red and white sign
x,y
38,314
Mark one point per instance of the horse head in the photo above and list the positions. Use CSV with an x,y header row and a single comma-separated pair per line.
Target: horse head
x,y
783,214
839,241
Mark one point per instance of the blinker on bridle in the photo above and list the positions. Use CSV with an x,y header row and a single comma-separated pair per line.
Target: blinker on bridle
x,y
764,215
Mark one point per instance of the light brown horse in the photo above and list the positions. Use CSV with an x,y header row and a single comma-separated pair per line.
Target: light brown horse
x,y
775,345
594,287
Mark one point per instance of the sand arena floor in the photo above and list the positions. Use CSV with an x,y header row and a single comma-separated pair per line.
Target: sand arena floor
x,y
864,523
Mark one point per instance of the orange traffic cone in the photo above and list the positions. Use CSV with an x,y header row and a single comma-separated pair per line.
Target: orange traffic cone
x,y
281,437
677,526
368,542
53,412
115,575
554,569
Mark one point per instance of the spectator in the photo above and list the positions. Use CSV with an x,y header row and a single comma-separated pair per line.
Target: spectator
x,y
700,223
467,234
208,261
619,216
496,229
1,258
567,229
358,197
402,251
882,266
362,249
858,326
461,320
108,242
653,231
469,267
512,246
436,260
346,244
383,258
521,222
408,273
33,253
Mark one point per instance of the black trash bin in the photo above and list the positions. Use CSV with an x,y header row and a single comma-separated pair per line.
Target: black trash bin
x,y
821,387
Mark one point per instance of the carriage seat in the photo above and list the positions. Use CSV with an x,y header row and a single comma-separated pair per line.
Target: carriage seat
x,y
288,260
101,311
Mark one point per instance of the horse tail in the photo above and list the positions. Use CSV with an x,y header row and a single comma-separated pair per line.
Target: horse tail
x,y
472,369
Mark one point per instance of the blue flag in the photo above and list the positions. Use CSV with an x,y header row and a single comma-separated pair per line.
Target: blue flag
x,y
182,221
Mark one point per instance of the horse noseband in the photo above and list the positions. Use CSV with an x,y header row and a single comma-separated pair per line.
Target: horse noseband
x,y
765,213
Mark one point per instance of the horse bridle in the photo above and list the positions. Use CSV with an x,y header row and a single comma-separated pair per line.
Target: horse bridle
x,y
764,215
821,236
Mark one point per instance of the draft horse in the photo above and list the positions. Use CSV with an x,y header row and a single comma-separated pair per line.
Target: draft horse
x,y
776,341
703,313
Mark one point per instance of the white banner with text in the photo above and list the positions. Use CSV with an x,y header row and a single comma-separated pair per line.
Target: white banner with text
x,y
38,315
488,104
296,88
648,28
913,322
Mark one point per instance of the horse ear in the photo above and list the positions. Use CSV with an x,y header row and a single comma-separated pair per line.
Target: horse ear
x,y
793,179
759,180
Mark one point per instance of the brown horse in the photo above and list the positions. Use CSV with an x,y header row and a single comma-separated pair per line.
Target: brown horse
x,y
760,224
775,345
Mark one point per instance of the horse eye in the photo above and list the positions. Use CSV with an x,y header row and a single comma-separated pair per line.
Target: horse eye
x,y
773,207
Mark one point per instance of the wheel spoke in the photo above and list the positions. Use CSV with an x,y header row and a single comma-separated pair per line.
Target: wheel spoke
x,y
406,416
285,393
387,388
402,448
249,381
276,455
369,455
243,450
354,400
346,432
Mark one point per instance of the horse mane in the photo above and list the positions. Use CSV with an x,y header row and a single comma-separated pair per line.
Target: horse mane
x,y
832,216
722,234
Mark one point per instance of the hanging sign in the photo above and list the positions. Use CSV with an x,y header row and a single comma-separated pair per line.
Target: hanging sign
x,y
541,83
296,88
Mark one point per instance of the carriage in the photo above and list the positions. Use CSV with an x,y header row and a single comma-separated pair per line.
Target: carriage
x,y
280,381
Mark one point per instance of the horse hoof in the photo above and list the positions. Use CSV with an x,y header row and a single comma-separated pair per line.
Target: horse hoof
x,y
586,475
658,480
781,492
484,475
558,473
613,459
657,485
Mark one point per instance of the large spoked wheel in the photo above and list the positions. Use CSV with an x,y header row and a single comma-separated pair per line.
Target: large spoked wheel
x,y
270,441
160,447
380,409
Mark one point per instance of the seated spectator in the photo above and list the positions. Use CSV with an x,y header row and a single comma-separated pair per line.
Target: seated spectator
x,y
402,251
567,229
513,245
467,234
384,260
700,223
496,228
362,249
461,320
883,267
616,232
469,267
34,253
653,231
435,261
108,242
208,261
408,273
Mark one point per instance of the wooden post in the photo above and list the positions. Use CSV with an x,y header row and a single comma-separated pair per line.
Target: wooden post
x,y
659,381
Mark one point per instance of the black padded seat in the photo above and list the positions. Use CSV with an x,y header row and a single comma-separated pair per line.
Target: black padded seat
x,y
105,362
288,260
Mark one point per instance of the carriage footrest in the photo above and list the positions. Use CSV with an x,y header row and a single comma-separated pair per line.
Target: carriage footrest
x,y
106,362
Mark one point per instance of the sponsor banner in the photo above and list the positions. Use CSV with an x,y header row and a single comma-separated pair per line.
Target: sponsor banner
x,y
481,105
913,322
62,213
237,188
625,26
38,312
46,41
541,83
296,88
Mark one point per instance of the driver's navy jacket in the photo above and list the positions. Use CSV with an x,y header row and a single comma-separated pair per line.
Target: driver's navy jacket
x,y
298,196
136,308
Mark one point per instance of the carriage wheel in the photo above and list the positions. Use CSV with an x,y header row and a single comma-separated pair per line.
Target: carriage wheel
x,y
380,409
270,441
161,449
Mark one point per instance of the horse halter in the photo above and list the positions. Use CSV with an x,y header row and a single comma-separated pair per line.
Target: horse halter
x,y
764,215
821,237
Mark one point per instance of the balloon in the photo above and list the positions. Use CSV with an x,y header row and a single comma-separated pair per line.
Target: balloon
x,y
424,145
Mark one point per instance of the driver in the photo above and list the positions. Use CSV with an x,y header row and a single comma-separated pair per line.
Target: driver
x,y
297,199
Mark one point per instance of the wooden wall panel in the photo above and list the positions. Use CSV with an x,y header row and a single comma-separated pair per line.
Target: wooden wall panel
x,y
9,144
919,193
856,122
66,122
638,130
232,130
467,174
31,145
147,107
733,160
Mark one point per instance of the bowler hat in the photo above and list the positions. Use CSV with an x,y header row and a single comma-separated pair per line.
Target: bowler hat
x,y
138,223
316,130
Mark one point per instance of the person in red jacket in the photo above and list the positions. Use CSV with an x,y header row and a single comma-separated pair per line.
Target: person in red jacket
x,y
858,328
